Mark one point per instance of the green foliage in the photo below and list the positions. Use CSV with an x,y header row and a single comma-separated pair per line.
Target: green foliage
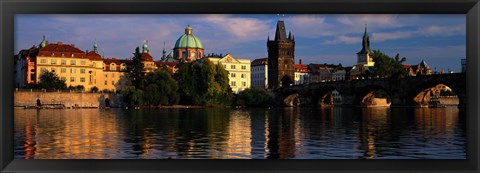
x,y
135,69
94,89
387,66
50,81
254,97
161,88
203,84
133,96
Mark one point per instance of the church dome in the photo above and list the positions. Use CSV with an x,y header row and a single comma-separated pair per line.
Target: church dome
x,y
188,40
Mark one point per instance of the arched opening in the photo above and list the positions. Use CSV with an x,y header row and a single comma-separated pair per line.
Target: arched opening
x,y
292,100
439,95
328,97
286,81
374,97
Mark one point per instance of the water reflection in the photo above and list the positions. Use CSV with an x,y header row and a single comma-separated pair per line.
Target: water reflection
x,y
301,133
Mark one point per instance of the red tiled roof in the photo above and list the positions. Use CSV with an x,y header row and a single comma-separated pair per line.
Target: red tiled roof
x,y
301,68
261,61
170,64
117,62
406,66
146,57
60,49
92,55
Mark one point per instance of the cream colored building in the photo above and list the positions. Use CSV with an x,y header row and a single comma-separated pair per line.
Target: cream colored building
x,y
239,71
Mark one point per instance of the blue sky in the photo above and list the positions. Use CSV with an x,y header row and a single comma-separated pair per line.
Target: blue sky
x,y
334,38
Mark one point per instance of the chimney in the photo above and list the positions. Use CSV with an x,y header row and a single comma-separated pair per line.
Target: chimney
x,y
59,43
300,61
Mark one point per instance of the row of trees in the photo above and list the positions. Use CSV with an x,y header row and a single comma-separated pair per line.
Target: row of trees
x,y
386,66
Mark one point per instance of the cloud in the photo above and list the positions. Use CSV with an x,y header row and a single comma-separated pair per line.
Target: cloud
x,y
343,39
382,36
242,28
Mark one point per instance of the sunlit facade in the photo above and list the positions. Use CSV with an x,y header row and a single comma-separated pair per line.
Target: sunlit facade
x,y
239,71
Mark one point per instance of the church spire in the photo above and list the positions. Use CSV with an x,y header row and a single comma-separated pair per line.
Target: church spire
x,y
145,46
164,51
365,42
95,46
43,43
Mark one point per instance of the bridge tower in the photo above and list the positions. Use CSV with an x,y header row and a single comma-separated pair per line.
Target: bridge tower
x,y
364,56
281,58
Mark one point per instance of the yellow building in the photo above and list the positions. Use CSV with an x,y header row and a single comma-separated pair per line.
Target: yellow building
x,y
239,71
79,68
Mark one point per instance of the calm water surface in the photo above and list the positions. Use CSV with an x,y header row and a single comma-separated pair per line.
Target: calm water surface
x,y
283,133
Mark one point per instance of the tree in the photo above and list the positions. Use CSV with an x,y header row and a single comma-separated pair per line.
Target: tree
x,y
133,96
387,66
94,89
50,81
135,69
162,88
254,97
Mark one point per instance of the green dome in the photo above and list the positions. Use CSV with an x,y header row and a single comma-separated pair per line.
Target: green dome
x,y
188,40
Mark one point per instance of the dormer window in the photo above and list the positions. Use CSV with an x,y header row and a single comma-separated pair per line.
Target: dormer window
x,y
112,67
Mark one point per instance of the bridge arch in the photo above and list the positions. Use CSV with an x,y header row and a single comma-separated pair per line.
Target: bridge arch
x,y
327,96
372,95
421,94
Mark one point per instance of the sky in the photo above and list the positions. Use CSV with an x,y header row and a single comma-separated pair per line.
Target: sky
x,y
439,39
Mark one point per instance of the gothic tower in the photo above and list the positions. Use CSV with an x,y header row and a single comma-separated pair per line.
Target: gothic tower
x,y
281,58
364,57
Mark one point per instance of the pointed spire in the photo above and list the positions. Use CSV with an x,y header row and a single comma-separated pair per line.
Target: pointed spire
x,y
145,46
43,43
164,51
290,35
268,38
365,42
95,46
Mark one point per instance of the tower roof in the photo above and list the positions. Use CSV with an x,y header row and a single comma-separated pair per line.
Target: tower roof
x,y
365,43
280,33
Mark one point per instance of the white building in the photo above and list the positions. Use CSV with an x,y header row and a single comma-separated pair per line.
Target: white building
x,y
239,71
259,73
302,74
338,74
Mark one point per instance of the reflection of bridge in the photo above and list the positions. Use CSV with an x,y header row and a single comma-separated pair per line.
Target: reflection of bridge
x,y
408,91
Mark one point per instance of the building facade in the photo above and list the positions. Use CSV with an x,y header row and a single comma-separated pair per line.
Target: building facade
x,y
302,73
238,69
259,72
281,58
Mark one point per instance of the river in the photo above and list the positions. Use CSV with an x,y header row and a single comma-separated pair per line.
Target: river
x,y
230,133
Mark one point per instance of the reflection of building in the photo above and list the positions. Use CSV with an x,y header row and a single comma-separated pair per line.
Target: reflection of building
x,y
238,144
464,65
260,73
302,75
281,58
337,98
188,47
239,71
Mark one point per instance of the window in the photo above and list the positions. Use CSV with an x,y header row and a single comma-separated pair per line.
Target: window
x,y
244,67
72,70
82,70
43,70
54,61
82,62
64,70
82,79
53,70
113,82
244,75
244,83
72,79
233,75
105,82
106,76
225,66
43,61
64,62
112,67
63,78
113,75
232,66
72,62
234,83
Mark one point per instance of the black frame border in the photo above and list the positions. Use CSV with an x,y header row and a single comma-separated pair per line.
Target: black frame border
x,y
8,9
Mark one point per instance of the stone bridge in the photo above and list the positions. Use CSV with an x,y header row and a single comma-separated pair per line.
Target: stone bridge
x,y
408,91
